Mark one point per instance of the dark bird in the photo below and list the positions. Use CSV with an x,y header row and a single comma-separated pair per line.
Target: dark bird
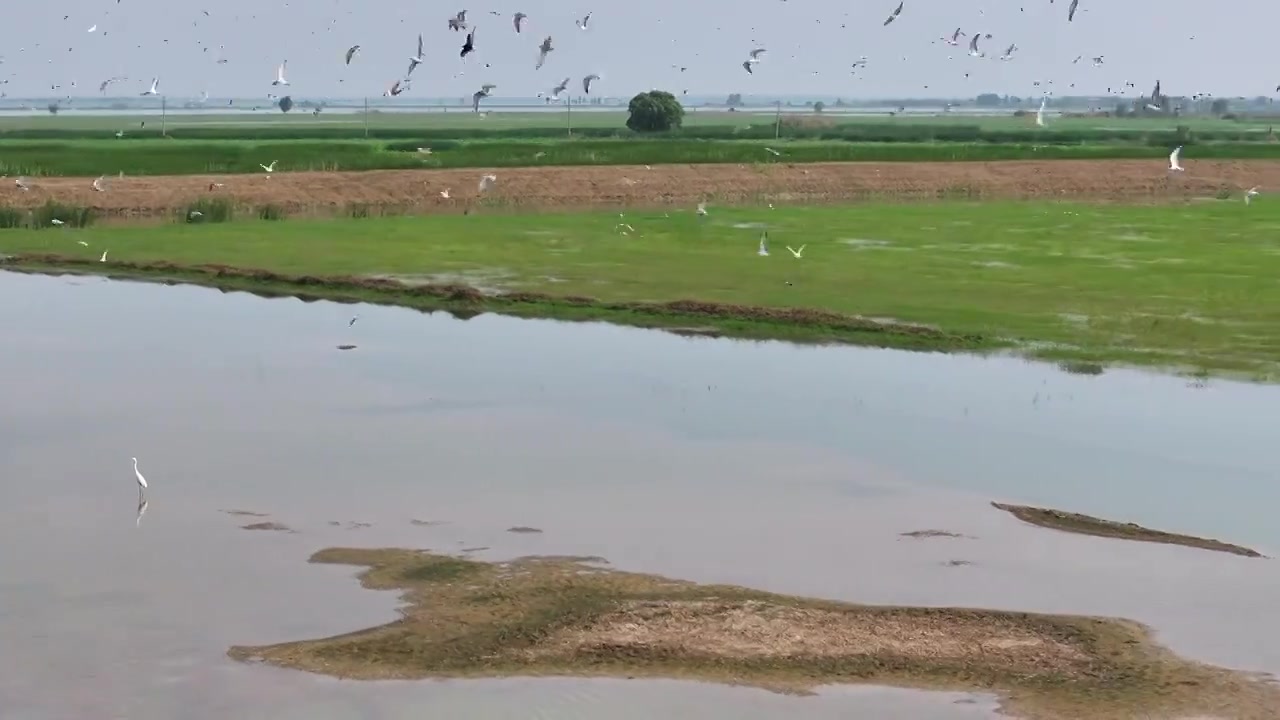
x,y
469,45
896,13
1071,12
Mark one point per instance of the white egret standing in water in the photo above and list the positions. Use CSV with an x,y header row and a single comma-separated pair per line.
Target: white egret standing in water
x,y
142,482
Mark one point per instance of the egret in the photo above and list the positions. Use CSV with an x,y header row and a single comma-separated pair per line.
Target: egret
x,y
97,184
1173,160
764,244
1250,194
280,74
795,252
104,259
155,87
415,60
142,482
269,168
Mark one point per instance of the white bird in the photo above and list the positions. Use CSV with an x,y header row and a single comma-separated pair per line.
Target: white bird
x,y
755,58
1040,112
142,482
555,91
351,52
21,182
518,20
954,39
702,210
104,259
56,221
797,252
543,49
1173,160
445,193
94,28
280,74
582,24
764,244
1008,54
415,60
487,182
894,15
155,87
269,168
973,47
457,22
97,184
1250,194
83,243
773,152
586,82
483,92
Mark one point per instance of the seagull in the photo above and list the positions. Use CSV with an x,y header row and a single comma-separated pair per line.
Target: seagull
x,y
93,28
155,87
104,259
543,49
57,222
269,168
396,88
895,13
797,253
973,47
280,74
482,93
469,45
487,182
755,58
21,182
555,91
458,22
582,24
1071,11
353,320
1008,54
1173,160
586,82
518,20
351,52
142,482
415,60
764,244
1250,194
1040,112
954,39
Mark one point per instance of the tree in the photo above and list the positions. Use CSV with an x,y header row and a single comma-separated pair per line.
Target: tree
x,y
286,104
734,100
654,111
988,100
819,106
1219,107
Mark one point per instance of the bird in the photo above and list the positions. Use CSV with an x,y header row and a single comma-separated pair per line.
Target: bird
x,y
445,193
973,47
795,252
102,260
1250,194
1173,160
897,11
154,89
142,510
142,482
353,320
280,74
468,47
57,222
1071,11
415,60
701,210
1040,112
543,49
773,152
93,28
764,244
582,24
458,22
269,168
22,184
351,52
487,181
755,58
518,20
483,92
555,91
954,39
1008,54
586,82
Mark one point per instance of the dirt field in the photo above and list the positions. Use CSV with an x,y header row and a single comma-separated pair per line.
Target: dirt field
x,y
636,186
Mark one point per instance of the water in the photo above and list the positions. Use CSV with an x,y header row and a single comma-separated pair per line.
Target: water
x,y
781,467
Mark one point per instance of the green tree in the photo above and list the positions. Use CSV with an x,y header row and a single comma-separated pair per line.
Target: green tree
x,y
988,100
654,111
1219,107
734,100
819,106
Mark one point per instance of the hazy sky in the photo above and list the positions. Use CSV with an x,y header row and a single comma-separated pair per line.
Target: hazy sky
x,y
633,46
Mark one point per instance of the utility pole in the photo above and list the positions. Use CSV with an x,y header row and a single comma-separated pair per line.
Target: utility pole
x,y
777,122
366,118
163,114
568,115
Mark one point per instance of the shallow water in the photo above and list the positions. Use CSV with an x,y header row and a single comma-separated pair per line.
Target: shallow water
x,y
782,467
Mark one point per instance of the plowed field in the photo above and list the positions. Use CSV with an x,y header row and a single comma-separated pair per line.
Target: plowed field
x,y
583,187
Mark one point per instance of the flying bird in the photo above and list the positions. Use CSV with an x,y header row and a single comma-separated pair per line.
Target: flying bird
x,y
555,91
353,320
468,46
755,58
483,92
269,168
1250,194
1071,12
155,87
97,184
1173,160
1008,54
973,47
142,482
897,11
459,21
582,24
518,20
396,88
351,52
280,74
764,244
487,181
1040,112
795,252
586,82
415,60
543,49
954,39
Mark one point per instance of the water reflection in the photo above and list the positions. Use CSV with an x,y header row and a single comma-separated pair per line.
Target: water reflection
x,y
788,468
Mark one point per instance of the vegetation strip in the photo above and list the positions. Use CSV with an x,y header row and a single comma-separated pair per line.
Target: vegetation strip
x,y
1098,527
570,616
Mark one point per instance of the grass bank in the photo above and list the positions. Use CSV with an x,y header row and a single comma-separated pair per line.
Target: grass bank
x,y
571,616
1190,287
37,158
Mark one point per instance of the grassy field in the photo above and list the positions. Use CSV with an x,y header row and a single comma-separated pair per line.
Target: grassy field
x,y
53,158
1192,287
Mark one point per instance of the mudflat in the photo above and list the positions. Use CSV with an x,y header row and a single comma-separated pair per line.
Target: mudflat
x,y
575,616
1098,527
658,185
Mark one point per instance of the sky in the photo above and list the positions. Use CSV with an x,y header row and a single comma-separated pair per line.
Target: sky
x,y
1192,47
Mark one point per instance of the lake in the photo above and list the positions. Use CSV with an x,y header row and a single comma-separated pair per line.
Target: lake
x,y
787,468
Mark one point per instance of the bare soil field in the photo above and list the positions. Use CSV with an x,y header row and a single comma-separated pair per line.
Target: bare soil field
x,y
660,185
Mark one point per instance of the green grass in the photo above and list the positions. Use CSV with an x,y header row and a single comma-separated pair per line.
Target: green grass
x,y
1191,286
183,157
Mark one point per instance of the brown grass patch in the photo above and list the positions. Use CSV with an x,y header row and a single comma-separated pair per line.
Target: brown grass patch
x,y
570,616
1098,527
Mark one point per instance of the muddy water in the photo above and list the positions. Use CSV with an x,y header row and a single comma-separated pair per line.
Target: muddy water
x,y
792,469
